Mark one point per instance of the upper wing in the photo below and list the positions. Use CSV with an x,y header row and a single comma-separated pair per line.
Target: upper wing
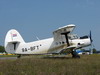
x,y
57,33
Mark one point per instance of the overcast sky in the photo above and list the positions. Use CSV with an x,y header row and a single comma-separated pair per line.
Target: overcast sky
x,y
41,17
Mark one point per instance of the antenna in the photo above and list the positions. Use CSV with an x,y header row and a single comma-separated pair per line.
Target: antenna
x,y
37,38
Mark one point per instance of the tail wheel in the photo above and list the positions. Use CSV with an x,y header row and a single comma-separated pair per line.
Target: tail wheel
x,y
19,56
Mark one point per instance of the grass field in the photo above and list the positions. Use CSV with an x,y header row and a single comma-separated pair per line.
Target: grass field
x,y
8,55
86,65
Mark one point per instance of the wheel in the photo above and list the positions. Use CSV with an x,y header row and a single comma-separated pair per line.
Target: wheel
x,y
19,56
74,54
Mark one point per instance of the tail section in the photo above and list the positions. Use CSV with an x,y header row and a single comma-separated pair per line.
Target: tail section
x,y
12,40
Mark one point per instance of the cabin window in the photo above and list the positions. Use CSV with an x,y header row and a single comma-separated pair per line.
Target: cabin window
x,y
56,43
25,49
37,47
31,48
63,42
59,42
22,49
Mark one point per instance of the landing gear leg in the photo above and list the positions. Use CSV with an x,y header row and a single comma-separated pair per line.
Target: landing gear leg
x,y
74,54
19,56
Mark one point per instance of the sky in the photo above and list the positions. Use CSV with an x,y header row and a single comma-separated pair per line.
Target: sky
x,y
39,18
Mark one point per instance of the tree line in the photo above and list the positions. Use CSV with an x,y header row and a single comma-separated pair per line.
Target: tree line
x,y
2,49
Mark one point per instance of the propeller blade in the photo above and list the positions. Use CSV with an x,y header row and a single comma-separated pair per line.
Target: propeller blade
x,y
91,37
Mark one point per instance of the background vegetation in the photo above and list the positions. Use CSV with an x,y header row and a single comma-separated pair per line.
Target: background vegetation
x,y
2,49
86,65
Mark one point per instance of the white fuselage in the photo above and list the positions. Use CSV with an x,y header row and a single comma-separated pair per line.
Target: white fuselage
x,y
47,46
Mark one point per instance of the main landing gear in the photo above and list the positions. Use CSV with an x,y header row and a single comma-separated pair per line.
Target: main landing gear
x,y
75,54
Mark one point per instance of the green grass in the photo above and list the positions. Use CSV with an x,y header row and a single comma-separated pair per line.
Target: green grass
x,y
86,65
8,55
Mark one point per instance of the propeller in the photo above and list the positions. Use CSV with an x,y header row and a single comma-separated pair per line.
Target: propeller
x,y
92,45
91,37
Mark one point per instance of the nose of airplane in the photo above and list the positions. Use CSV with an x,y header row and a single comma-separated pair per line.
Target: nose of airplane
x,y
83,43
87,42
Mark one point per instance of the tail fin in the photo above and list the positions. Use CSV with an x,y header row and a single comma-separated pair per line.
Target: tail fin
x,y
12,40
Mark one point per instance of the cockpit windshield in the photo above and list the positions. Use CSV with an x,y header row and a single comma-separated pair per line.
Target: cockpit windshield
x,y
73,36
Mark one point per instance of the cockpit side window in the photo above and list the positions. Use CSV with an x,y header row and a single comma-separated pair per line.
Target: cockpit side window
x,y
84,37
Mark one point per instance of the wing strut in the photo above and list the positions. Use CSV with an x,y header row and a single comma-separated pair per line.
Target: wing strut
x,y
66,36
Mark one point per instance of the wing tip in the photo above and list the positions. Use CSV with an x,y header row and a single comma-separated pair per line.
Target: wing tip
x,y
69,25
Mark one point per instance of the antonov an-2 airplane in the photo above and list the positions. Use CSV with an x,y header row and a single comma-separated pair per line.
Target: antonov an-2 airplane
x,y
63,40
